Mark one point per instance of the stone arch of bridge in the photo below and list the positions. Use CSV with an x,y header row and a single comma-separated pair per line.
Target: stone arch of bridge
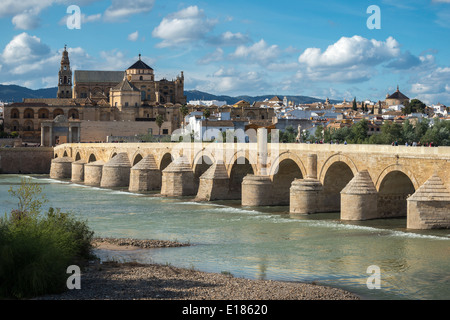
x,y
92,157
136,158
200,165
396,167
336,173
165,160
240,168
288,170
245,158
394,185
276,164
199,158
334,159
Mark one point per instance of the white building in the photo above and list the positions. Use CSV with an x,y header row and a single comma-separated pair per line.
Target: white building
x,y
207,103
208,129
439,109
396,107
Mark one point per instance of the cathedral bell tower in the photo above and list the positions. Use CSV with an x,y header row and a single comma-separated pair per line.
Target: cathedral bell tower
x,y
65,77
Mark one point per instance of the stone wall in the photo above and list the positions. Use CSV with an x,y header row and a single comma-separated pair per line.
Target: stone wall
x,y
94,131
26,160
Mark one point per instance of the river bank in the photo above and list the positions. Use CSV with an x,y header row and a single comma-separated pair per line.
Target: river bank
x,y
135,281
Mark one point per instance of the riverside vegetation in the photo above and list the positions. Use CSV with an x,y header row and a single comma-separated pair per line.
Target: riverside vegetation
x,y
36,248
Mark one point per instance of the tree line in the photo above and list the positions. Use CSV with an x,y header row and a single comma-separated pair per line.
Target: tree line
x,y
424,132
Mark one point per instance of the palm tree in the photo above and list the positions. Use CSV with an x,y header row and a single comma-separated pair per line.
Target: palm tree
x,y
159,122
206,114
184,112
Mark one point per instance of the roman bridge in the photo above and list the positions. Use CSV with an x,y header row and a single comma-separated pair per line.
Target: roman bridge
x,y
361,181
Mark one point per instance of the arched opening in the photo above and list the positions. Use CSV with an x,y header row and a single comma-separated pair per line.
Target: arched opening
x,y
28,126
65,154
57,112
336,178
15,114
113,155
394,189
92,158
165,161
239,170
201,166
28,114
77,157
74,114
15,125
288,170
137,159
43,113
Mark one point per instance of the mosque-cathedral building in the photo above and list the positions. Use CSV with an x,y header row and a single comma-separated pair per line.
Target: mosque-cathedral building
x,y
91,105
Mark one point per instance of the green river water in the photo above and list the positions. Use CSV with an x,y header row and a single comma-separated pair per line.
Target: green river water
x,y
262,242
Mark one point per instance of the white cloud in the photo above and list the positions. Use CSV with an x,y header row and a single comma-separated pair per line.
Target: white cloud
x,y
229,38
120,10
234,82
433,85
347,52
26,21
215,56
187,25
133,36
351,60
24,47
259,52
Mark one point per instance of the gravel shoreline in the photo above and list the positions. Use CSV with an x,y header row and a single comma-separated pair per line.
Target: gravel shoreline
x,y
135,281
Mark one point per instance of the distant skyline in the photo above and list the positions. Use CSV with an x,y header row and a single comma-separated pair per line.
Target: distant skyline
x,y
320,49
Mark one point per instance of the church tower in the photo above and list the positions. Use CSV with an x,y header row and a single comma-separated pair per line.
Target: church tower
x,y
65,77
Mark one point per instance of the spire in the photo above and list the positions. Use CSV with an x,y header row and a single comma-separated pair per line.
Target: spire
x,y
397,89
139,57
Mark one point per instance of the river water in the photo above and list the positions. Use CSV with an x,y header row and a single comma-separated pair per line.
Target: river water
x,y
262,242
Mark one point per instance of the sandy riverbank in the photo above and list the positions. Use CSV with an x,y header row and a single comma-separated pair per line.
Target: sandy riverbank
x,y
130,281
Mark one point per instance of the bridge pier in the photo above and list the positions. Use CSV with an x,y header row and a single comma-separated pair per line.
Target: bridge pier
x,y
359,198
93,173
256,191
78,171
305,196
116,172
61,168
178,179
214,184
429,206
145,175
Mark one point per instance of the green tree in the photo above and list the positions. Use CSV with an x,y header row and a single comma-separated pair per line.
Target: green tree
x,y
318,134
413,106
408,132
391,132
184,111
159,122
30,198
359,131
354,106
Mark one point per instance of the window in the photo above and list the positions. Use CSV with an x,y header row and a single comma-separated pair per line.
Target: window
x,y
165,131
126,104
141,78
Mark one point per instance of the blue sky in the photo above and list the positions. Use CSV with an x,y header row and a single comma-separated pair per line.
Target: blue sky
x,y
314,48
